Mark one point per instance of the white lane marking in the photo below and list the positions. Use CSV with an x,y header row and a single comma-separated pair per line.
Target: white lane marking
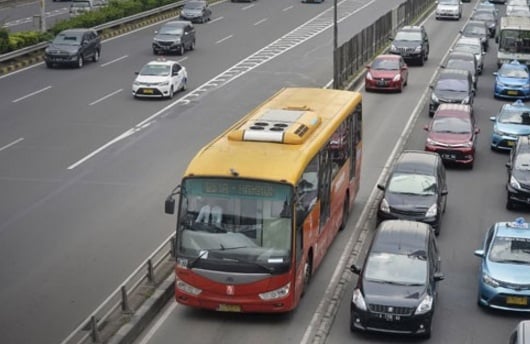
x,y
260,21
224,39
11,144
247,7
287,8
105,97
215,20
31,94
292,39
158,323
115,60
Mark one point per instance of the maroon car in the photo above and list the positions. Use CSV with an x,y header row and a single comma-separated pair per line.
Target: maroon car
x,y
452,133
387,72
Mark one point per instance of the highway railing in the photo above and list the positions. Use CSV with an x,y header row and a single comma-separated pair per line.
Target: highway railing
x,y
39,48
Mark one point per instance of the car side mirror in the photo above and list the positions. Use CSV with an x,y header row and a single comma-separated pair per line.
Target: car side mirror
x,y
492,118
479,253
381,187
156,32
438,276
355,269
445,192
477,130
509,165
136,73
426,127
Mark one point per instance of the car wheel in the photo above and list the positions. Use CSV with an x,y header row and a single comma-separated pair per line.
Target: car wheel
x,y
509,203
400,88
422,59
181,50
80,62
192,45
95,58
171,92
184,85
406,81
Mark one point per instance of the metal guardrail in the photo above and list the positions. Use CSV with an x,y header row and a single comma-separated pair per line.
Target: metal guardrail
x,y
90,329
41,46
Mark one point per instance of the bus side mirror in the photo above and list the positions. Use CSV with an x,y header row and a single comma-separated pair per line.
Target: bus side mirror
x,y
170,205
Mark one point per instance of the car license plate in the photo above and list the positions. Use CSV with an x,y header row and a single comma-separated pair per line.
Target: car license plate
x,y
389,317
229,308
449,156
148,91
512,93
517,300
510,143
381,83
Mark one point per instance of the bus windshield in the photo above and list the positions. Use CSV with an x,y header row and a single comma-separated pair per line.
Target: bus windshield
x,y
235,224
514,41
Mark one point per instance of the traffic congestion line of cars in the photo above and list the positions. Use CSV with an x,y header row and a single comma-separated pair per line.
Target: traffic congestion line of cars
x,y
403,258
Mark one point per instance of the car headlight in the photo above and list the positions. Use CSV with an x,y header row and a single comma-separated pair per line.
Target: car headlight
x,y
185,287
468,144
432,211
500,84
369,76
164,83
465,100
393,47
358,299
425,305
418,49
384,207
137,83
397,77
487,279
514,183
499,132
434,98
276,294
526,86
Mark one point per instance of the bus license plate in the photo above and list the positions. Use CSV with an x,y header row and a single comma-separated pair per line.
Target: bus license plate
x,y
517,300
229,308
148,91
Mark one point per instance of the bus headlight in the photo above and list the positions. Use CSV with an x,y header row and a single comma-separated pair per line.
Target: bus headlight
x,y
185,287
276,294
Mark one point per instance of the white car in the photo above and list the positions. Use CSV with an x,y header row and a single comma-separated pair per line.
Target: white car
x,y
448,9
160,78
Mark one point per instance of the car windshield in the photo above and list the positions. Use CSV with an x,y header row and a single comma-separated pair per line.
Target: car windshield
x,y
475,30
472,48
451,125
408,36
67,38
156,70
517,73
461,64
505,249
171,30
403,269
193,6
484,16
448,2
514,117
452,85
412,183
386,64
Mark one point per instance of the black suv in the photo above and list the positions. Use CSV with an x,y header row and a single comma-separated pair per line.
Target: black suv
x,y
196,11
174,37
73,47
518,166
452,86
416,189
412,43
396,291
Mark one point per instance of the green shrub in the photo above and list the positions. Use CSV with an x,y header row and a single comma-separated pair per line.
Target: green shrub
x,y
4,40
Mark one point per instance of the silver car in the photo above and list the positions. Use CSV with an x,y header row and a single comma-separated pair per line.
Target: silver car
x,y
474,46
448,9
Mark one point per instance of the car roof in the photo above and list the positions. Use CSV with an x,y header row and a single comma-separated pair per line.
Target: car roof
x,y
388,57
401,236
462,54
411,28
453,110
180,23
468,40
514,65
421,162
476,23
161,62
516,105
513,229
452,72
76,31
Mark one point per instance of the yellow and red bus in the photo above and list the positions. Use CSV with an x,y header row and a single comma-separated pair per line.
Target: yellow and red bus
x,y
260,205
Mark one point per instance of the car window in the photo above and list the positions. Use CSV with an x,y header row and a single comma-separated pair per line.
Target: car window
x,y
411,183
407,269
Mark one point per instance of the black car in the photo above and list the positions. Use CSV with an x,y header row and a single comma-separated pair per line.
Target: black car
x,y
477,28
518,166
464,65
174,37
416,189
411,42
196,11
452,86
488,17
396,291
73,47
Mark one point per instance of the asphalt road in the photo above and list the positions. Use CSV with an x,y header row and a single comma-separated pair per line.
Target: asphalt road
x,y
18,16
476,200
74,224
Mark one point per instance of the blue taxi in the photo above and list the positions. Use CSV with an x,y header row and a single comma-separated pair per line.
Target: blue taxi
x,y
513,120
512,81
504,274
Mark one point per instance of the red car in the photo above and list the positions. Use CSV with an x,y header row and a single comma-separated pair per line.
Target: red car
x,y
387,72
452,133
